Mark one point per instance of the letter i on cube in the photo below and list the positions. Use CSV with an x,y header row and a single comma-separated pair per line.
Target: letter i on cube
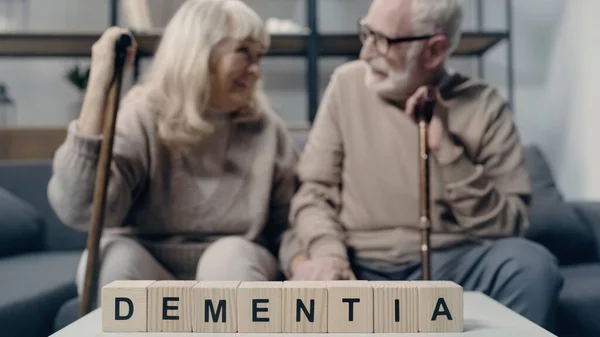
x,y
288,307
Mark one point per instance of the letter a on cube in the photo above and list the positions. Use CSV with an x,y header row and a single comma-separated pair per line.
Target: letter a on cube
x,y
124,306
440,306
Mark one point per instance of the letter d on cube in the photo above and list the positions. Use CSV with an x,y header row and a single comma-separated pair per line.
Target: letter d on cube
x,y
124,306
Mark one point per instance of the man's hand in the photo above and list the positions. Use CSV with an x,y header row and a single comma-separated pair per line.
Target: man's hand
x,y
321,269
439,140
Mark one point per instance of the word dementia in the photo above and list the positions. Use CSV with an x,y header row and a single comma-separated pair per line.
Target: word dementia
x,y
288,307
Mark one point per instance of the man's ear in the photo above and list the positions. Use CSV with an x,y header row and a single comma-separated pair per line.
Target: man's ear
x,y
436,51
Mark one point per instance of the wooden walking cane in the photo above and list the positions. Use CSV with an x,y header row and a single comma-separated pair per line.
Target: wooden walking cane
x,y
424,113
97,220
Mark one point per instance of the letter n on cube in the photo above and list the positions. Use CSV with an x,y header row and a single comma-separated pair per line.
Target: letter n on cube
x,y
304,306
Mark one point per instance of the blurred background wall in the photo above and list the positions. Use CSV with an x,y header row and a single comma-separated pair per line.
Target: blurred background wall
x,y
544,35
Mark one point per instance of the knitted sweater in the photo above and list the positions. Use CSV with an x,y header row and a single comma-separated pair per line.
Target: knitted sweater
x,y
238,182
360,173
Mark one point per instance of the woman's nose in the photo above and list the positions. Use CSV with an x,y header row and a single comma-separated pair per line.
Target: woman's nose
x,y
254,69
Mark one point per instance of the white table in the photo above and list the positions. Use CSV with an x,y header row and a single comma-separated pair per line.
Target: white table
x,y
482,317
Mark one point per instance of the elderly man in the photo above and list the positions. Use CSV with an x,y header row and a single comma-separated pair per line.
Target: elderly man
x,y
357,210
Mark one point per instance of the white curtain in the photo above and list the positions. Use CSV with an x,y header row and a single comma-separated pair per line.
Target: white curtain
x,y
569,125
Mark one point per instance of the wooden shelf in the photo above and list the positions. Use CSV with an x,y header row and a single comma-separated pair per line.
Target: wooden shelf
x,y
70,44
471,43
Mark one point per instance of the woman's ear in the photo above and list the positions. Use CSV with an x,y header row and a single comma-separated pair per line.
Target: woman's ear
x,y
436,51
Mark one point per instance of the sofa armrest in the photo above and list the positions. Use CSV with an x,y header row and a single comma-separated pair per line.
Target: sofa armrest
x,y
589,213
21,227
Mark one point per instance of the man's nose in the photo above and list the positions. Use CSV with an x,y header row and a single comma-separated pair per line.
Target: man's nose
x,y
368,51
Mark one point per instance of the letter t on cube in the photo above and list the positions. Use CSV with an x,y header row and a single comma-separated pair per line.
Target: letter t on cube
x,y
350,307
124,306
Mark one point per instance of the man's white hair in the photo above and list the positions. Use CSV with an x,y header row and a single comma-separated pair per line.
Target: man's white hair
x,y
439,16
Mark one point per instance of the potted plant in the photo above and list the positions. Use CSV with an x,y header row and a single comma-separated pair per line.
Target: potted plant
x,y
78,77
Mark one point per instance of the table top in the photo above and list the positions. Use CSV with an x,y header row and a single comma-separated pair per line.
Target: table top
x,y
483,316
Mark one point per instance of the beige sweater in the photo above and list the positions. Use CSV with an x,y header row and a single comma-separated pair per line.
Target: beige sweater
x,y
239,182
359,174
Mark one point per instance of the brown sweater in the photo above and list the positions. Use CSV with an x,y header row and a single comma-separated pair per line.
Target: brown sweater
x,y
359,173
239,182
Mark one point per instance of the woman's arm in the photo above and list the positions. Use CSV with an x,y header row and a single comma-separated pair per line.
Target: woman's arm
x,y
71,187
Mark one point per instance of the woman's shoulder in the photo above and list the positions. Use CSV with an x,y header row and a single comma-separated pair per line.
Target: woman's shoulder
x,y
136,111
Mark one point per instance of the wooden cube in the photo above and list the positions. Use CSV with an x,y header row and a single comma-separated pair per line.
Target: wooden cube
x,y
260,307
124,306
350,307
440,306
170,306
396,305
304,306
215,306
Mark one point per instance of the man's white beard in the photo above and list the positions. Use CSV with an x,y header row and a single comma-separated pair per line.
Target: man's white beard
x,y
397,84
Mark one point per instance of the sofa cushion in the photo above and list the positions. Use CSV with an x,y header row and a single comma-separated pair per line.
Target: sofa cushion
x,y
542,180
579,301
554,223
21,227
34,287
29,181
557,226
67,314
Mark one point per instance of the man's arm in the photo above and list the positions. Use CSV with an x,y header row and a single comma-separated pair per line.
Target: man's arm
x,y
315,207
488,197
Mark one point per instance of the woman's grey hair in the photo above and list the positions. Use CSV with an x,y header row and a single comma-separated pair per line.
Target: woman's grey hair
x,y
439,16
177,87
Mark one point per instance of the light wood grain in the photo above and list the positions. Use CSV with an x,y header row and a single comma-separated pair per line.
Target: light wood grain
x,y
350,307
440,306
304,306
170,306
260,307
215,306
483,317
124,306
395,307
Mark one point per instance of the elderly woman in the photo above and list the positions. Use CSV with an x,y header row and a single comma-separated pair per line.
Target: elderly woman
x,y
203,170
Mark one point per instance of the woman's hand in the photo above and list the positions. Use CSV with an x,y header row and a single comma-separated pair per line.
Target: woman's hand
x,y
91,118
103,58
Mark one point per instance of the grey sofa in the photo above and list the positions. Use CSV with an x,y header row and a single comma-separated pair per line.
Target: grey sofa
x,y
39,255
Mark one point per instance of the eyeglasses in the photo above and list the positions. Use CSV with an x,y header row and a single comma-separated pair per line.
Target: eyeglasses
x,y
381,42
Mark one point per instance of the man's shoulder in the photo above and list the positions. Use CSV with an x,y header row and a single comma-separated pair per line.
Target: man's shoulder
x,y
350,71
474,97
463,88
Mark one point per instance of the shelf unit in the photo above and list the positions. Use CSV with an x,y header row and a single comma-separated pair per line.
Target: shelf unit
x,y
311,46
